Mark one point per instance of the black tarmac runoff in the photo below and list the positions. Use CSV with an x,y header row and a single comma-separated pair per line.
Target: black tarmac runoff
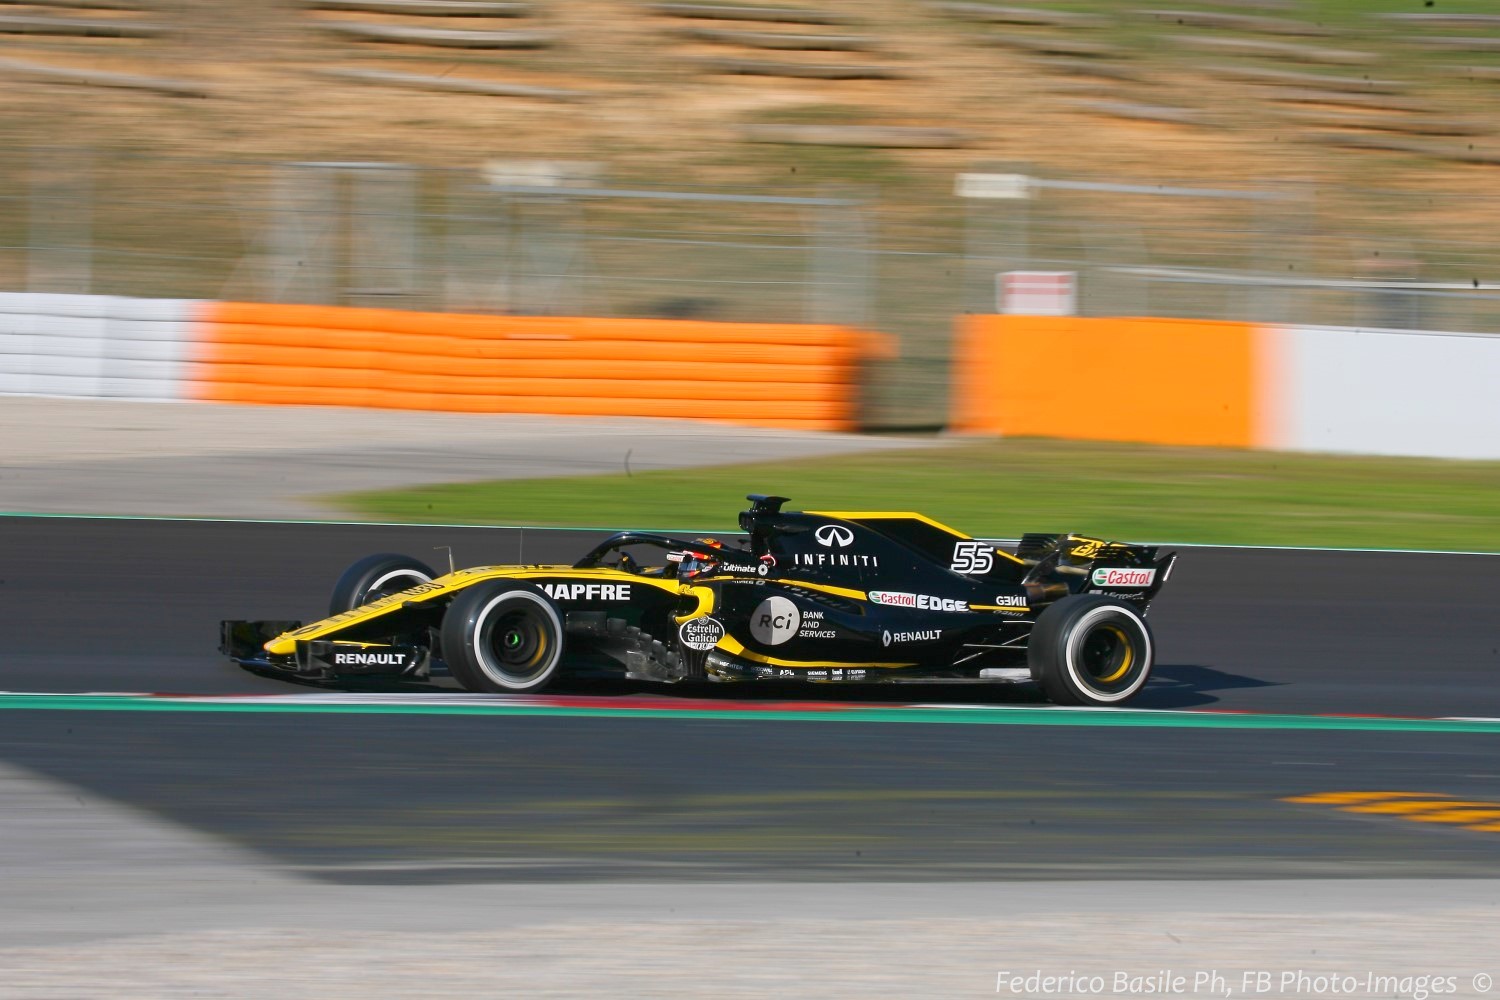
x,y
103,605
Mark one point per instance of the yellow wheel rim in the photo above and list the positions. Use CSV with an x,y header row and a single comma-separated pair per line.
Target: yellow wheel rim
x,y
1126,661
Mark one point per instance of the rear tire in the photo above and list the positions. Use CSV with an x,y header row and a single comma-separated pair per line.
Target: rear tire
x,y
1091,650
503,636
374,577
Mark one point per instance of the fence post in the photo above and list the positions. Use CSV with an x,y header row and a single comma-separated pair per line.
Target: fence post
x,y
381,253
997,224
547,242
476,264
299,266
59,255
839,267
1285,213
342,232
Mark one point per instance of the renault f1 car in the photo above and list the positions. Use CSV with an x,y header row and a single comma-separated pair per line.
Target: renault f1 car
x,y
818,596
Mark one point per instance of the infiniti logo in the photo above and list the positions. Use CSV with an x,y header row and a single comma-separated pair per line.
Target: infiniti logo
x,y
834,535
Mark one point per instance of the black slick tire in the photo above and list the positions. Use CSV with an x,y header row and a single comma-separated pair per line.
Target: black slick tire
x,y
1091,650
503,636
374,577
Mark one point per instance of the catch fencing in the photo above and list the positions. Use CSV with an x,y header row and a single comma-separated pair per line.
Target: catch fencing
x,y
425,239
429,239
1271,252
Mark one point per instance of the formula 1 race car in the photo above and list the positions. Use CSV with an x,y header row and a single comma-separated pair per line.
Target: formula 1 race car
x,y
821,596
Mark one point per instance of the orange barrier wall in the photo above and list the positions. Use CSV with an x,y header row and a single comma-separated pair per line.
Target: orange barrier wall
x,y
764,374
1164,381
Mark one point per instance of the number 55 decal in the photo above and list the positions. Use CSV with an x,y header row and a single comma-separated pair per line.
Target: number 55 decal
x,y
972,558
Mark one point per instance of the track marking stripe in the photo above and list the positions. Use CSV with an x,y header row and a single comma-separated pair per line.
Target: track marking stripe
x,y
744,711
1413,807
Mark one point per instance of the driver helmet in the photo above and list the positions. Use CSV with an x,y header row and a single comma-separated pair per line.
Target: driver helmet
x,y
696,562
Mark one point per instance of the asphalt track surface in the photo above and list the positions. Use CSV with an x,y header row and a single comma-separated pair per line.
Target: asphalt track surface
x,y
112,605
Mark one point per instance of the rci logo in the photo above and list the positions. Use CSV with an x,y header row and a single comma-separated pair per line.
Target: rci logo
x,y
834,536
774,621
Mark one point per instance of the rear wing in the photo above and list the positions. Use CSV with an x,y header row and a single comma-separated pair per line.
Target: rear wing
x,y
1136,582
1096,566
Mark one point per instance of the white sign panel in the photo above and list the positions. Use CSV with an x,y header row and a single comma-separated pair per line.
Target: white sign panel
x,y
992,186
1037,293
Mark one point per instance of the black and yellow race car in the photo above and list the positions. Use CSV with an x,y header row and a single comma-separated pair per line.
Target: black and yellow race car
x,y
819,596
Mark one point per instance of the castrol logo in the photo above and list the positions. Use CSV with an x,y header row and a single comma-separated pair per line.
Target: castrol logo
x,y
1123,577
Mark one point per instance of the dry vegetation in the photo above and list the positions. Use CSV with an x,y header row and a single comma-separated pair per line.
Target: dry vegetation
x,y
654,112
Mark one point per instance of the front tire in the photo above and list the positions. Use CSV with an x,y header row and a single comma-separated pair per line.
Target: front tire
x,y
1091,650
374,577
503,636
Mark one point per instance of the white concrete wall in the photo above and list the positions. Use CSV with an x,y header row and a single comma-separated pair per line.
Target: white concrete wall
x,y
98,346
1382,392
1323,389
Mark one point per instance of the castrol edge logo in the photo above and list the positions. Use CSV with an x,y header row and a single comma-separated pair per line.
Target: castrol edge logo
x,y
926,602
1123,577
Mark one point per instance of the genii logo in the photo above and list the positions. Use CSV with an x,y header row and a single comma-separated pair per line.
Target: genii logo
x,y
774,621
1119,577
834,536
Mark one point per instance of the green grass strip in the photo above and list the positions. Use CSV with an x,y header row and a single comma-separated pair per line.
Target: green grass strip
x,y
999,489
938,715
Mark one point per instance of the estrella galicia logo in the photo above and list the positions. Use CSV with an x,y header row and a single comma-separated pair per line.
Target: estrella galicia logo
x,y
834,536
701,634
